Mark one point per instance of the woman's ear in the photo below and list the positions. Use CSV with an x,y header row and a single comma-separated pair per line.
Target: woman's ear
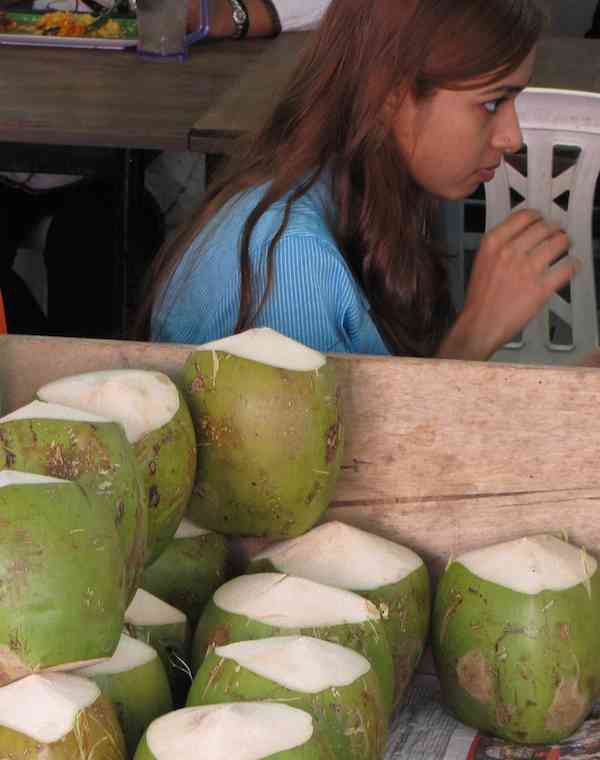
x,y
392,105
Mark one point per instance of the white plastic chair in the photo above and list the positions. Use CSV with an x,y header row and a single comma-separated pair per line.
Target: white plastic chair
x,y
561,134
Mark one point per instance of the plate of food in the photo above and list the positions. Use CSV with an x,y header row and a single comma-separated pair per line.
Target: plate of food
x,y
67,29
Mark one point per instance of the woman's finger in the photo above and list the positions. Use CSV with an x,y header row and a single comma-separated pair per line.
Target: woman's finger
x,y
534,237
560,274
512,227
550,249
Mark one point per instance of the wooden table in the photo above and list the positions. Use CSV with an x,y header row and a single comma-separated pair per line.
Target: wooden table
x,y
115,99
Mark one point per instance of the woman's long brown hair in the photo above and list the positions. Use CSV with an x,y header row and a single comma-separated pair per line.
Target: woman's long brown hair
x,y
330,119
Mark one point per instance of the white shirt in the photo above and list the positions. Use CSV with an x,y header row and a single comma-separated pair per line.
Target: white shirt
x,y
296,15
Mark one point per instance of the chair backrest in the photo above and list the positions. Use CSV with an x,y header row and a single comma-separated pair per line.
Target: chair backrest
x,y
560,166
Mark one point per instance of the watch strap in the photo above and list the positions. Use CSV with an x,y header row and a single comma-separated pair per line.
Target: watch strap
x,y
274,16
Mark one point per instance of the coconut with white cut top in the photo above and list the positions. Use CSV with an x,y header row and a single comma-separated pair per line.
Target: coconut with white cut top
x,y
190,569
57,716
268,421
272,604
515,638
244,731
167,629
157,424
62,576
134,680
55,440
336,685
391,576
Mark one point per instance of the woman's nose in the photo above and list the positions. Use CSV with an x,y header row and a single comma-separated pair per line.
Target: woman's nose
x,y
507,136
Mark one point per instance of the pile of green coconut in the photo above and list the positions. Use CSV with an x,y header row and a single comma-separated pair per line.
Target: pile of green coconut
x,y
131,625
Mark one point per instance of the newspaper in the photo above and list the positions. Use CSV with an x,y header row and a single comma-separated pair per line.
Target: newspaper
x,y
424,730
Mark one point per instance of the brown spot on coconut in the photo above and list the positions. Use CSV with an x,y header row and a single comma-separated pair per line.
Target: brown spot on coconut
x,y
268,420
157,424
475,676
569,708
530,611
504,713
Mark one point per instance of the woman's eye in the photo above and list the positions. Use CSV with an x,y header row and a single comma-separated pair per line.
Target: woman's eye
x,y
492,105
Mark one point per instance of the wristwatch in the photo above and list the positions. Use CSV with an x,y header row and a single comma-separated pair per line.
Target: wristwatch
x,y
241,20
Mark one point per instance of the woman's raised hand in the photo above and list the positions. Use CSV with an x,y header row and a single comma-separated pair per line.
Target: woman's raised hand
x,y
513,276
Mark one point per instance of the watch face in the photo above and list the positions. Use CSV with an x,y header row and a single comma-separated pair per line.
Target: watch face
x,y
239,16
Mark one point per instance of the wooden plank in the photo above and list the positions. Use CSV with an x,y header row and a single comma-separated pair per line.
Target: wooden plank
x,y
441,455
106,98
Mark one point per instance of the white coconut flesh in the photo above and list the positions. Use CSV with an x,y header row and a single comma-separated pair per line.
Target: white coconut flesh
x,y
147,609
130,654
322,555
242,730
187,529
141,400
299,663
18,478
261,344
532,564
285,601
45,707
40,410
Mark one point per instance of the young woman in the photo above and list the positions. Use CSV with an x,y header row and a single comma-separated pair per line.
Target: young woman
x,y
322,231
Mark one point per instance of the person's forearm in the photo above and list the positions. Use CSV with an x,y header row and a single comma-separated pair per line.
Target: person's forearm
x,y
460,343
221,18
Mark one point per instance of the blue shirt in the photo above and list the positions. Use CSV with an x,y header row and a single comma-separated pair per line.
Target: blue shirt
x,y
314,298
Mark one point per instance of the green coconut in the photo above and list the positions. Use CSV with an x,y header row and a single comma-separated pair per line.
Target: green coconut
x,y
134,680
334,684
244,731
190,569
515,638
167,629
391,576
157,423
54,440
271,604
56,716
61,576
268,421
